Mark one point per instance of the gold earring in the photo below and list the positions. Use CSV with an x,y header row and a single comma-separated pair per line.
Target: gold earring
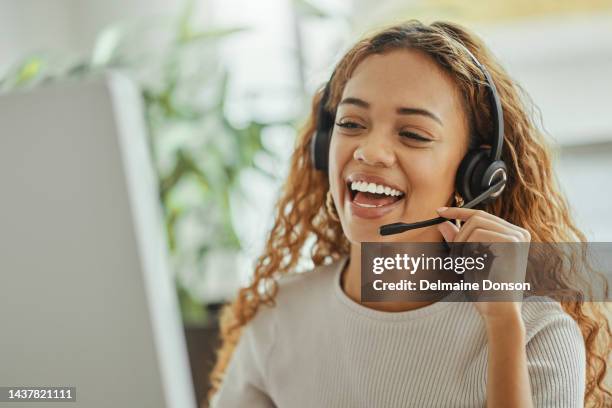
x,y
458,202
331,208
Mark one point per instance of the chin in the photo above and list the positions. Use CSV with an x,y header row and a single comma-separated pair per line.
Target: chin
x,y
358,231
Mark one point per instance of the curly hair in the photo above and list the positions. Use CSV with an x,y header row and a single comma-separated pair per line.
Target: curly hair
x,y
531,199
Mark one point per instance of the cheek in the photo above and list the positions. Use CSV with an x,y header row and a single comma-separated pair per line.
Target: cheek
x,y
430,170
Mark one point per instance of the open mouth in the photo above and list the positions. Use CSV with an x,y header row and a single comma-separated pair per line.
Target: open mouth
x,y
373,195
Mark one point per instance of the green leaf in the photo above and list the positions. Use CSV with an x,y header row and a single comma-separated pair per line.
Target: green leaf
x,y
79,69
107,46
184,21
184,165
306,9
192,311
189,37
29,70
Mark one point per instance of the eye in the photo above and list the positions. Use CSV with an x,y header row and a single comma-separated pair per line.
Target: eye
x,y
415,136
347,124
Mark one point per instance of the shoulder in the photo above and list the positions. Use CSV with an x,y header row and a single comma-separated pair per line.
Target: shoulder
x,y
297,294
297,287
545,315
302,294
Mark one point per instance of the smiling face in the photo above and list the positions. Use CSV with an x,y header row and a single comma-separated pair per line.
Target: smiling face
x,y
399,137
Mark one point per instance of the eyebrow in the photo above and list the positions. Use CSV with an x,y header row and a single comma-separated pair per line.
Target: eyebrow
x,y
401,110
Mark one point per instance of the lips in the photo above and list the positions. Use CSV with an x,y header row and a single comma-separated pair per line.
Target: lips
x,y
372,196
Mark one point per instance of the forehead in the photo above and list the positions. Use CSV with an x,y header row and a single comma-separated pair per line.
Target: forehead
x,y
402,78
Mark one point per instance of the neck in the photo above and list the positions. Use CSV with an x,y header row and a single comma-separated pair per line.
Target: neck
x,y
351,285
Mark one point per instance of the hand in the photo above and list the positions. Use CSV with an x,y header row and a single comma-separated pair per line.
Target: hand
x,y
510,260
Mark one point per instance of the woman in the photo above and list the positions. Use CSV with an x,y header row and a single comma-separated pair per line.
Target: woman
x,y
306,339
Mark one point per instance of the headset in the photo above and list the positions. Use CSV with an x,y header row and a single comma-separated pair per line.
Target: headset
x,y
481,176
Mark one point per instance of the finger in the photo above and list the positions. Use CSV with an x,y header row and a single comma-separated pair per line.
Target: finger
x,y
448,230
456,213
464,213
478,236
500,220
482,235
478,221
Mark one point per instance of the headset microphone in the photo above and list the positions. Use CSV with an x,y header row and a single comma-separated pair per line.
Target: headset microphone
x,y
399,227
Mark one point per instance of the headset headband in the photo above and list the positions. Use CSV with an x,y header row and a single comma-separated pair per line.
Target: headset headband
x,y
497,115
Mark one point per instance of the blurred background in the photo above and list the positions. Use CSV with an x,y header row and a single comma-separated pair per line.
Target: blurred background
x,y
226,83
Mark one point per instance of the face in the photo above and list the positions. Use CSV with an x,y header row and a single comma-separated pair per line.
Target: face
x,y
399,137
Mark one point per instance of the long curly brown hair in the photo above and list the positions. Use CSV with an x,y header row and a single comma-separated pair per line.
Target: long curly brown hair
x,y
531,199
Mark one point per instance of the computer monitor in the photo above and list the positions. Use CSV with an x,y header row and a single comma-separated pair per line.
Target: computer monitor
x,y
87,299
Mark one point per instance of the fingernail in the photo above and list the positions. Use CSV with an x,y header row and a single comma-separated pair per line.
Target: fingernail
x,y
442,209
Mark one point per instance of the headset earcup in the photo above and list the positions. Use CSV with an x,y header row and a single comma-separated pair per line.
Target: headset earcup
x,y
496,171
468,181
477,173
319,145
319,149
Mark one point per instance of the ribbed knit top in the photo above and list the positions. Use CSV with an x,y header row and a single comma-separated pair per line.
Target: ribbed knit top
x,y
318,348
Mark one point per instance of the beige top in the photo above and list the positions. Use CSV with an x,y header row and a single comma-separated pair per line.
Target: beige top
x,y
319,348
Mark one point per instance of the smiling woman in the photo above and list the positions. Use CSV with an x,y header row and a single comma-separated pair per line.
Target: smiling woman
x,y
404,108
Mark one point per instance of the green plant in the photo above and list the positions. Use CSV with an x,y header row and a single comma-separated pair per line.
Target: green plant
x,y
198,153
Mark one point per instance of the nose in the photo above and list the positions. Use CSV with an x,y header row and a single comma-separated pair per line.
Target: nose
x,y
376,151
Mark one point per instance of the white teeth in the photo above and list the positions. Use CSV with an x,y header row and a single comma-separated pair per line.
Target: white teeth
x,y
366,187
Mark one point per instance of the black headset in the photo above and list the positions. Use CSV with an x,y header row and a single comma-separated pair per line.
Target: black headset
x,y
482,174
